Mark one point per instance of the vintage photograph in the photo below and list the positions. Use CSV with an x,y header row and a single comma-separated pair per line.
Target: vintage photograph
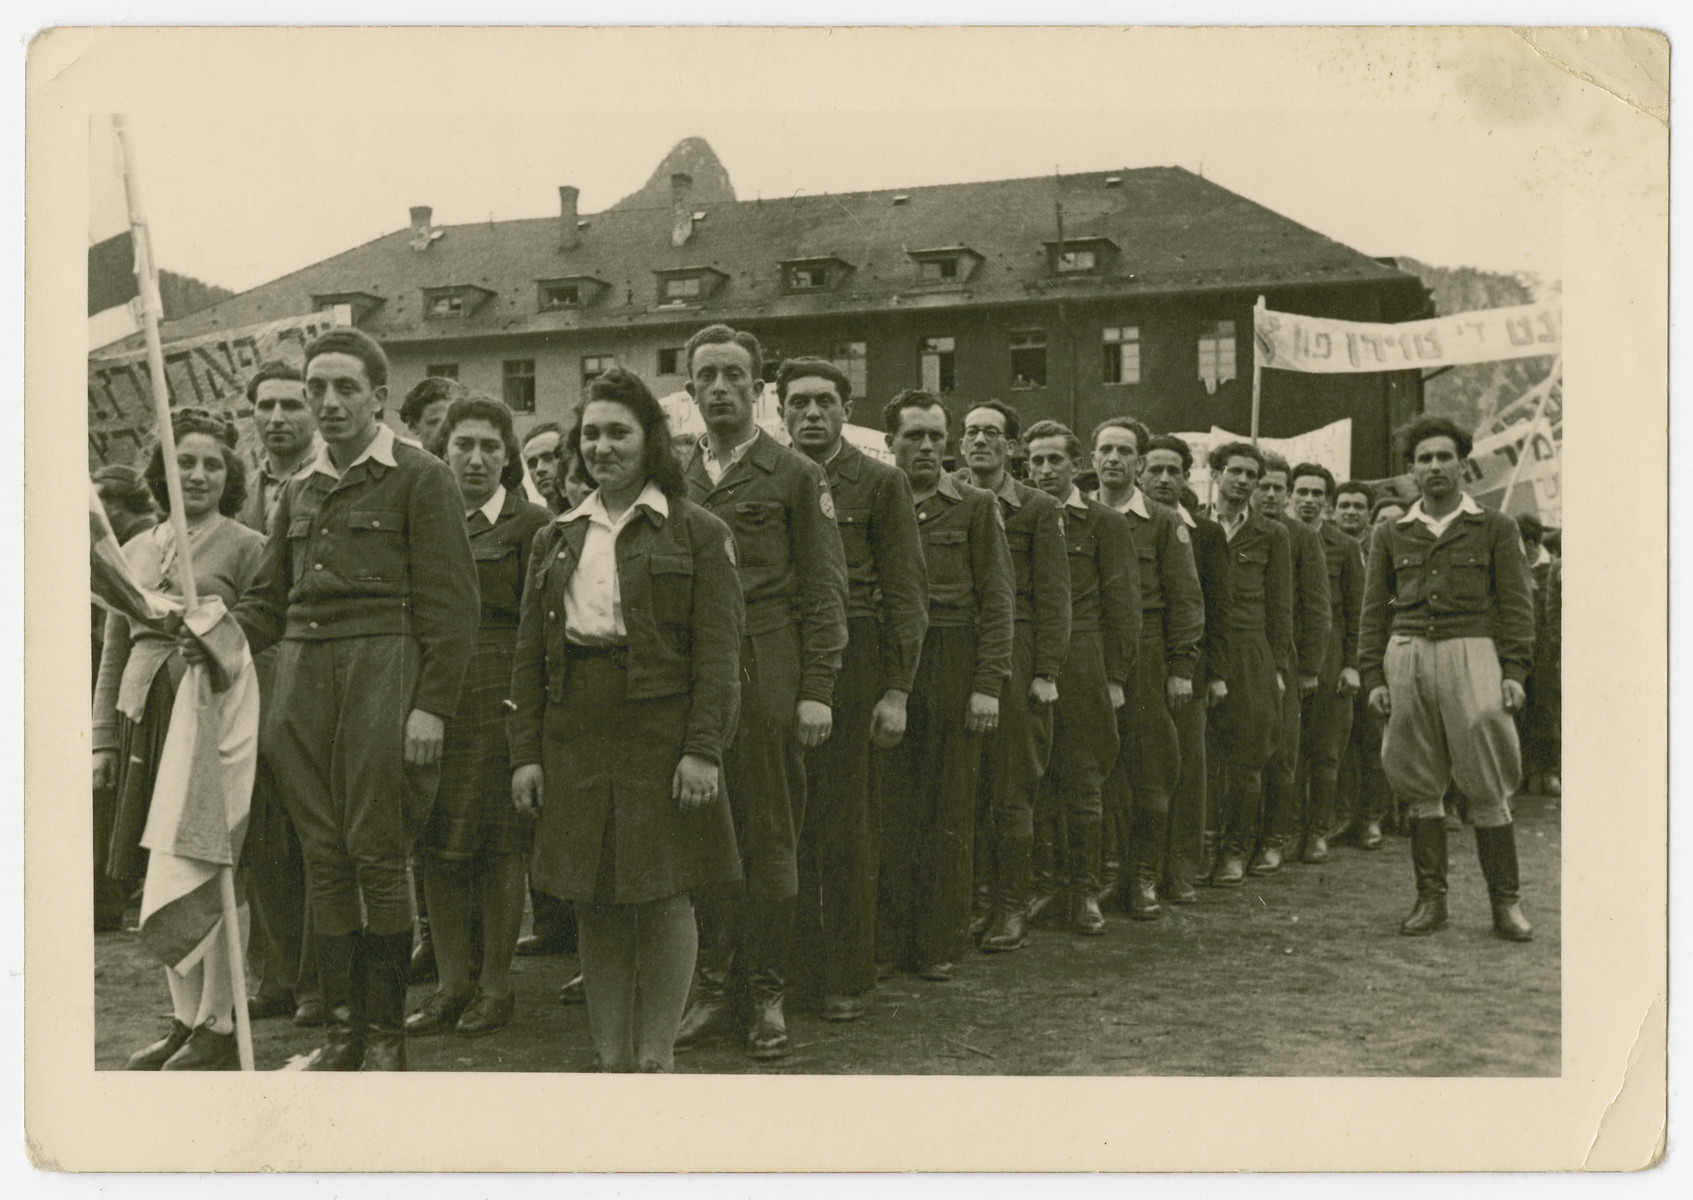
x,y
758,593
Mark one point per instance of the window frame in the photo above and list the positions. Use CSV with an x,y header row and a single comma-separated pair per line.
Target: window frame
x,y
1213,332
1120,344
946,363
1015,346
508,378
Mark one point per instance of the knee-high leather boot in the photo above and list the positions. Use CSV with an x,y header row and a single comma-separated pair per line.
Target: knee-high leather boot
x,y
387,968
709,1007
341,967
1146,853
769,934
1497,849
1428,857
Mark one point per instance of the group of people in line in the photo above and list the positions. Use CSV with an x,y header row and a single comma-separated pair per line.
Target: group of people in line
x,y
754,723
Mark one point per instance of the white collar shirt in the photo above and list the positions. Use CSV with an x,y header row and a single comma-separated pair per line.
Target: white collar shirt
x,y
381,449
1136,503
491,510
1231,525
714,466
1187,517
593,599
1440,524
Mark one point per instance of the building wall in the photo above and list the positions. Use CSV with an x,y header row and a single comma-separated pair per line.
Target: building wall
x,y
1169,396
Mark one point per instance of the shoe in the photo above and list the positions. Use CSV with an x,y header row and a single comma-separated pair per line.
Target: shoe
x,y
1497,849
937,972
438,1014
1085,836
1231,870
552,943
1428,858
1268,862
1010,927
206,1050
486,1014
843,1008
1143,898
1316,851
264,1008
1149,831
311,1012
767,1038
1370,838
387,959
1554,784
1110,882
573,992
652,1068
707,1015
1180,891
341,967
885,970
151,1058
423,968
1085,917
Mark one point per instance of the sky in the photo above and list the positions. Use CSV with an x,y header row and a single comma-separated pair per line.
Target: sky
x,y
232,202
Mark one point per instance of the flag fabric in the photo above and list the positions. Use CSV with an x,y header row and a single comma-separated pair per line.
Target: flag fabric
x,y
1320,345
113,290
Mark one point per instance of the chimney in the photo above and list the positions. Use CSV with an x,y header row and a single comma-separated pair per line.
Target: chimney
x,y
567,235
681,209
421,233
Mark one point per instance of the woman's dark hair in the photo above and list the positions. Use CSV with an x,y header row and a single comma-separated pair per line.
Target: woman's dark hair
x,y
658,460
1424,428
481,407
198,420
124,489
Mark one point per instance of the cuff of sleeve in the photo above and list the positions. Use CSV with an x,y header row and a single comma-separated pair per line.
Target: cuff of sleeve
x,y
820,692
1181,668
988,685
709,751
527,756
1373,680
897,679
1515,671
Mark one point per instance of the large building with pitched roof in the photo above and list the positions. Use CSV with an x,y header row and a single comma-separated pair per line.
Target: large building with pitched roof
x,y
1075,297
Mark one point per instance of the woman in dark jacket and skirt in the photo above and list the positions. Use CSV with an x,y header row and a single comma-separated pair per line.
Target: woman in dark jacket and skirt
x,y
627,688
476,845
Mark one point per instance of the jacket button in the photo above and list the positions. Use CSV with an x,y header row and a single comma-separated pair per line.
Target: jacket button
x,y
324,532
317,566
552,615
375,523
314,624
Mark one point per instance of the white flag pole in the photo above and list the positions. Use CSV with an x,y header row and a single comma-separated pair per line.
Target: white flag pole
x,y
1257,369
1533,429
152,310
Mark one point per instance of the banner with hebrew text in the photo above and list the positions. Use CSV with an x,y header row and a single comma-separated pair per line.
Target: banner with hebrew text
x,y
1320,345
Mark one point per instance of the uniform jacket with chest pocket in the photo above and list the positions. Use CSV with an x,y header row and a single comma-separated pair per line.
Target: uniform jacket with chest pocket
x,y
682,612
886,578
1261,587
381,551
1105,592
1470,582
970,576
788,550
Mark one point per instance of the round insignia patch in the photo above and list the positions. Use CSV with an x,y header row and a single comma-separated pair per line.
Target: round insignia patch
x,y
826,501
1181,534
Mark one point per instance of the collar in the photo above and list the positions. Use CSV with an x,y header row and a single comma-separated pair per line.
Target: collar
x,y
307,461
1075,499
381,449
945,486
1187,517
735,454
845,460
1416,513
1007,490
1136,504
492,509
651,499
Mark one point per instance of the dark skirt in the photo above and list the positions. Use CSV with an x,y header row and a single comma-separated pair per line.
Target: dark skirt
x,y
473,813
609,831
140,743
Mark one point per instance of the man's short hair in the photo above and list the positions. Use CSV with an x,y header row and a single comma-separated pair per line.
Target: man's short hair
x,y
1190,498
802,368
1051,429
1143,435
274,369
1275,462
1169,441
724,335
1013,420
430,391
1316,469
543,427
1357,487
1218,459
1391,500
1419,431
1533,530
911,398
356,342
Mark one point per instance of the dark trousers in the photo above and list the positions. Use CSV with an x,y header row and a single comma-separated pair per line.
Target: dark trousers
x,y
1015,756
1085,740
1363,793
1281,777
1149,762
928,787
835,922
1324,737
111,896
1185,844
336,733
1247,727
282,953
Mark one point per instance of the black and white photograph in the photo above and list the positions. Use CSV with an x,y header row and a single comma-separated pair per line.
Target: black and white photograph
x,y
949,581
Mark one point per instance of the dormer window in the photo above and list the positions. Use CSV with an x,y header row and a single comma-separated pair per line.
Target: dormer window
x,y
945,266
936,270
457,301
561,295
1081,256
350,308
688,286
816,274
680,289
1077,260
569,291
808,279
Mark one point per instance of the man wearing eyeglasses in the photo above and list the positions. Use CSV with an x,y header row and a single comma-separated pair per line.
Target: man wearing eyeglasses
x,y
1015,756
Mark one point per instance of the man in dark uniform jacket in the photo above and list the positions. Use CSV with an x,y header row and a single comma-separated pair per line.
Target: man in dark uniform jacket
x,y
1354,818
1137,791
929,779
1326,717
1445,665
794,578
369,585
1164,471
887,616
1310,639
1105,622
1261,653
1016,754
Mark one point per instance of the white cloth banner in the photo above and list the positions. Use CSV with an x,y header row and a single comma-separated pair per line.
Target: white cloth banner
x,y
1320,345
1330,445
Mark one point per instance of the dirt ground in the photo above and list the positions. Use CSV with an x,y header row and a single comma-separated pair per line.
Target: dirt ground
x,y
1302,973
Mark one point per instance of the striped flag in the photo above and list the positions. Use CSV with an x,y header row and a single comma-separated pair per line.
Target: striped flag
x,y
113,290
